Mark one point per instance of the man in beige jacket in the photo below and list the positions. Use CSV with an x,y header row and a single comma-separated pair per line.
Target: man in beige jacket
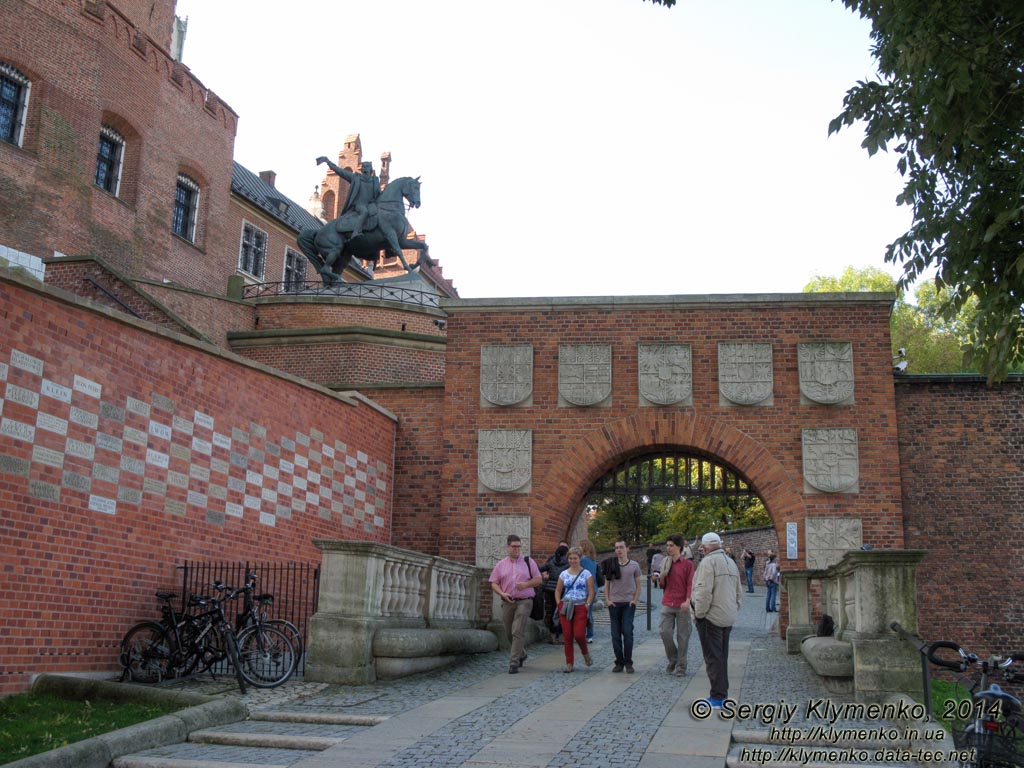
x,y
716,599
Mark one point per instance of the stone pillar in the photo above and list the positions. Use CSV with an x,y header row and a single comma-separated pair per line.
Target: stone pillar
x,y
876,588
797,585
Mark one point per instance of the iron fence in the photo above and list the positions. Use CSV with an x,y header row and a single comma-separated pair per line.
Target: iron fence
x,y
382,292
295,587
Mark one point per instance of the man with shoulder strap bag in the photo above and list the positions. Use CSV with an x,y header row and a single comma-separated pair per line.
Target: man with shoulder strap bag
x,y
514,580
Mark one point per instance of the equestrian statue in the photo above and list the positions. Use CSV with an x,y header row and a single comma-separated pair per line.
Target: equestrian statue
x,y
370,220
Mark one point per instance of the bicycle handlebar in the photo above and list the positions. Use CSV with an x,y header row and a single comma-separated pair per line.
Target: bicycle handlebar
x,y
959,665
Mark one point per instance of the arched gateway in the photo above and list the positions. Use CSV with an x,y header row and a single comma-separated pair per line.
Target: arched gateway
x,y
794,392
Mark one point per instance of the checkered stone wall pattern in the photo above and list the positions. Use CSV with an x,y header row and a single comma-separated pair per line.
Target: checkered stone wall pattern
x,y
113,452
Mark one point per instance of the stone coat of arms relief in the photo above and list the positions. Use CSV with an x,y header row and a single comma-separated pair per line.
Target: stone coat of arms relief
x,y
826,371
831,459
584,373
504,459
745,374
506,373
665,373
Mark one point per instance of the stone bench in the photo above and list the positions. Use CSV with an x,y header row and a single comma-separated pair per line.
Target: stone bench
x,y
832,659
402,651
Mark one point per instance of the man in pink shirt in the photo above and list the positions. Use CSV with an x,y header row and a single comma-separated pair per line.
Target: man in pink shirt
x,y
513,580
677,581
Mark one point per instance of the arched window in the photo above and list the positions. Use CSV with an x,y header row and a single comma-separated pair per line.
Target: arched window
x,y
186,208
14,91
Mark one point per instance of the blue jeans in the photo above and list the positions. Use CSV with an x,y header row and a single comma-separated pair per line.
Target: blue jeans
x,y
590,624
750,579
621,615
769,603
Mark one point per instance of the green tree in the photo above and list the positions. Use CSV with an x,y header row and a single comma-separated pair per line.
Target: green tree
x,y
948,100
934,342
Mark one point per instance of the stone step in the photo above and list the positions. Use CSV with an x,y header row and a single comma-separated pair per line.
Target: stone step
x,y
260,740
307,716
190,755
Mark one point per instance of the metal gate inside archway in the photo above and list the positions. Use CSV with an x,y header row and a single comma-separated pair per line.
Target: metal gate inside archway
x,y
650,496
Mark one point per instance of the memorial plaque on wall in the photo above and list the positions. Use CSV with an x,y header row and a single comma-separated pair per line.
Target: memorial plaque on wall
x,y
504,458
831,459
665,373
826,371
745,372
584,373
506,373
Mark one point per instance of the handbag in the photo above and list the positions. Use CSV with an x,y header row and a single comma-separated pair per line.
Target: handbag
x,y
568,606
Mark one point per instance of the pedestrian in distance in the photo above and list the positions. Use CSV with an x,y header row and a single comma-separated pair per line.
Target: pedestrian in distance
x,y
621,594
715,602
656,556
677,581
514,579
575,595
589,561
749,558
771,580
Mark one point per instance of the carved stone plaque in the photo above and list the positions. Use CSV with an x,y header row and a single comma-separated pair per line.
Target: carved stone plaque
x,y
831,460
829,538
584,373
506,373
745,372
666,373
504,458
826,371
492,532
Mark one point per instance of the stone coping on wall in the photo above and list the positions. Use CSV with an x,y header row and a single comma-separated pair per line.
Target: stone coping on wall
x,y
56,294
708,301
330,335
327,298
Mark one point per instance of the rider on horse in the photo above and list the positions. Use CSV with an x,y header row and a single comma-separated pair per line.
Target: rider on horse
x,y
359,205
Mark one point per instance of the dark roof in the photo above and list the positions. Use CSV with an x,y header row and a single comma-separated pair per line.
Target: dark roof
x,y
247,184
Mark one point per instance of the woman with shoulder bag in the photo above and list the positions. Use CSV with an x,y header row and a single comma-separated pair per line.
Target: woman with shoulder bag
x,y
771,581
574,594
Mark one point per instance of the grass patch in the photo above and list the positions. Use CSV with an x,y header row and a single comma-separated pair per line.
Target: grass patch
x,y
30,724
945,696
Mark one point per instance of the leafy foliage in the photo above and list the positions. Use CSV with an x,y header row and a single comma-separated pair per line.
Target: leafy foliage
x,y
935,343
949,101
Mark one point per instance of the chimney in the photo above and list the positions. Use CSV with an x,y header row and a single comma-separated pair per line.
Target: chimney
x,y
268,177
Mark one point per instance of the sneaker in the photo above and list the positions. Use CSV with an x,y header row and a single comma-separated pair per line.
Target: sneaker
x,y
618,667
680,671
568,668
522,660
671,667
590,639
629,669
587,660
513,668
716,703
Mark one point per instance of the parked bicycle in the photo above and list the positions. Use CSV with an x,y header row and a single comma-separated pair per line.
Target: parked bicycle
x,y
254,614
990,725
175,646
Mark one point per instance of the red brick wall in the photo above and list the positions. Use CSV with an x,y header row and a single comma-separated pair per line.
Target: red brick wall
x,y
573,447
87,70
297,312
212,316
125,451
962,459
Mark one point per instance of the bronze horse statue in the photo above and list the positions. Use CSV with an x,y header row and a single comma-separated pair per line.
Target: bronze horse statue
x,y
331,247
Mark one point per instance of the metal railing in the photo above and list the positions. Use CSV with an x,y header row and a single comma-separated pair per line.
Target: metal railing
x,y
396,293
295,587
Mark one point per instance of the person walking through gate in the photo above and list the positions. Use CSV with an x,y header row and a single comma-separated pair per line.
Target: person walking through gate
x,y
589,561
677,580
621,594
514,580
748,568
771,580
574,595
716,599
552,569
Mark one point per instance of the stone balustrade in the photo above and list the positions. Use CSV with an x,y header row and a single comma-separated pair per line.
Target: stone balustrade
x,y
863,593
388,612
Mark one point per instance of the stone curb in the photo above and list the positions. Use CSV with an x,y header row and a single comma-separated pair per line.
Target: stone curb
x,y
269,740
98,751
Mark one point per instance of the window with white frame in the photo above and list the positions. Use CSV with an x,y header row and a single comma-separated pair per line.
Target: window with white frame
x,y
109,159
14,88
294,270
186,206
252,256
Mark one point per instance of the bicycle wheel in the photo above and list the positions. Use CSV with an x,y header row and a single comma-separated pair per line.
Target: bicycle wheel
x,y
146,653
231,647
292,633
268,656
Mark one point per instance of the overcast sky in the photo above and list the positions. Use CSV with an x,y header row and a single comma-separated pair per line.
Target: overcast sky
x,y
574,147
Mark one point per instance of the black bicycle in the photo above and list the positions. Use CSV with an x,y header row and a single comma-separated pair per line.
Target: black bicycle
x,y
176,646
271,656
989,725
